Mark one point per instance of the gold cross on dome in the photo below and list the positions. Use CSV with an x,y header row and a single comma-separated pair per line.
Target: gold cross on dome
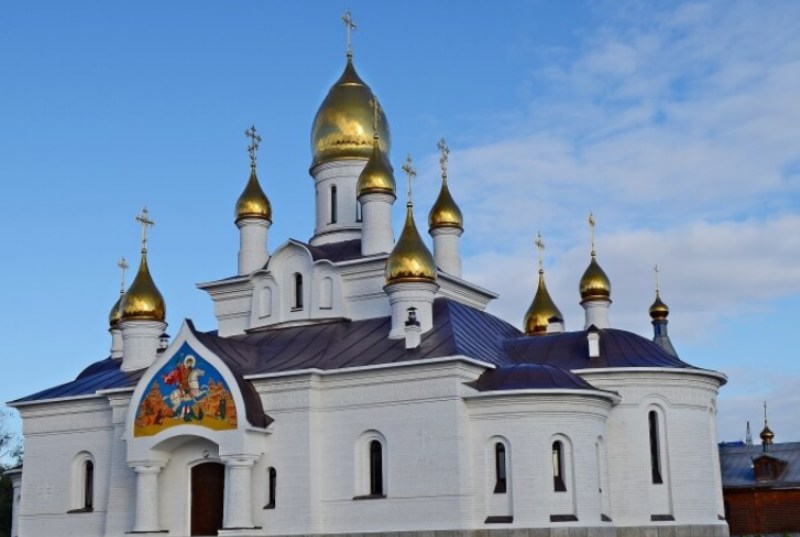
x,y
123,265
591,230
255,141
349,25
408,167
376,114
444,153
540,247
144,220
656,272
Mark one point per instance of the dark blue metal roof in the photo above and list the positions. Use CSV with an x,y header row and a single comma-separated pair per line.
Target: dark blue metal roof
x,y
457,330
736,463
529,377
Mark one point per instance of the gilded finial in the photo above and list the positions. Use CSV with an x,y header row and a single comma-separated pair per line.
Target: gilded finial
x,y
349,25
376,113
591,231
444,154
144,220
411,173
123,265
255,141
655,270
540,248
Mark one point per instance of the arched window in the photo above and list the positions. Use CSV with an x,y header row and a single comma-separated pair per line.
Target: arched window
x,y
655,448
298,291
375,468
88,485
358,212
273,483
500,468
559,485
82,483
334,211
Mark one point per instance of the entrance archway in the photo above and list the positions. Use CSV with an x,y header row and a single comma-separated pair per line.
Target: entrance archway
x,y
208,493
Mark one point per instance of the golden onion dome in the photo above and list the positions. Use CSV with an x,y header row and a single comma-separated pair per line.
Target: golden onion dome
x,y
540,312
410,260
253,203
342,127
658,310
377,176
143,301
767,435
445,212
116,313
594,284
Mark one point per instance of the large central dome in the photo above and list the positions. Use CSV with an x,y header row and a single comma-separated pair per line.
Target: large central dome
x,y
343,124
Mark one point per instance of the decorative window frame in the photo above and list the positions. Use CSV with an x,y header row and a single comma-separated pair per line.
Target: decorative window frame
x,y
564,482
363,466
79,480
494,481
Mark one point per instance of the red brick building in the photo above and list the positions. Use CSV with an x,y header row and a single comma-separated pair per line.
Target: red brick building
x,y
761,487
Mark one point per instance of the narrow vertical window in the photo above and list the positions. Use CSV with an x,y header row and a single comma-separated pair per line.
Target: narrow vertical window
x,y
655,450
375,468
559,485
88,485
334,215
500,468
273,483
298,291
358,212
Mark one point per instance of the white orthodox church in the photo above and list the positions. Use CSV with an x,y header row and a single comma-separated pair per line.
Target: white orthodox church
x,y
355,384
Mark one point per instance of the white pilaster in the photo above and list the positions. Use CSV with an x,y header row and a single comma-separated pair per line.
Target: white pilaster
x,y
446,250
405,295
253,251
344,224
377,236
596,313
238,492
16,490
147,504
140,340
116,342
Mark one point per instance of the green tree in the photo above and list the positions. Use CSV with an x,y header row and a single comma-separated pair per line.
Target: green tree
x,y
10,456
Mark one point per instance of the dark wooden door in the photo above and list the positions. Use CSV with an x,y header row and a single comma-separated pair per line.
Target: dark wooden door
x,y
208,493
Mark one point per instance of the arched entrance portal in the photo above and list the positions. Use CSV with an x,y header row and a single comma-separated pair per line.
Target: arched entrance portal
x,y
208,493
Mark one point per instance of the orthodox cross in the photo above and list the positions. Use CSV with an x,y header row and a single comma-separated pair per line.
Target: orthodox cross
x,y
656,272
765,413
123,265
411,173
376,113
445,152
145,221
255,140
540,247
591,230
349,25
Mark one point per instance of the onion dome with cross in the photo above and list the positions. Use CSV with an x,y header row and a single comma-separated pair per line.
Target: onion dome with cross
x,y
445,212
253,203
143,301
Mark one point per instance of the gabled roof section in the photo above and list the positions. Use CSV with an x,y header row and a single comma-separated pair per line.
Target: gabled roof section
x,y
102,375
529,377
570,350
336,252
736,463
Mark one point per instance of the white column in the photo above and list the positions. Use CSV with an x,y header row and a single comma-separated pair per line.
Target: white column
x,y
146,499
406,295
446,249
596,313
253,251
116,342
238,492
16,484
377,236
140,340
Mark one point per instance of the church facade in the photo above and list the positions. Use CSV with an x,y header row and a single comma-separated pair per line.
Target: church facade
x,y
355,384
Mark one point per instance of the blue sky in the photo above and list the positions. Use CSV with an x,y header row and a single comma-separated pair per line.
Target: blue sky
x,y
675,122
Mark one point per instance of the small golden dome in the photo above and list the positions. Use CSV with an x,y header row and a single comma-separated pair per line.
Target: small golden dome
x,y
767,435
253,203
540,312
343,125
410,260
116,313
445,212
143,301
595,285
377,176
658,310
